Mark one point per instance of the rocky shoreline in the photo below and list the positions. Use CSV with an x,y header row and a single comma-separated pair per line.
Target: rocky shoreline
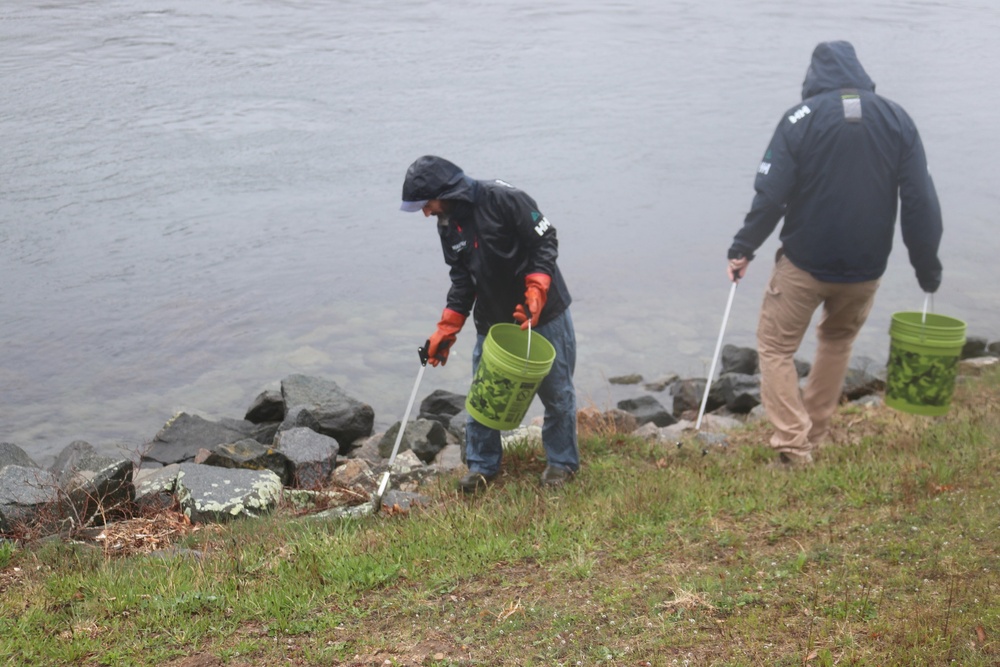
x,y
311,446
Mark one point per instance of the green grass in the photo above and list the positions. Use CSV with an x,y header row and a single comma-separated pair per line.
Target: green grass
x,y
884,553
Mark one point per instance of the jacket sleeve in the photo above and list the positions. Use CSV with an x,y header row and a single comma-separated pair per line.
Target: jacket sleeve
x,y
462,293
775,180
535,233
920,215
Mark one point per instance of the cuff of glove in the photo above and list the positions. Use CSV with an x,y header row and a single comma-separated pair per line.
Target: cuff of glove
x,y
453,318
540,281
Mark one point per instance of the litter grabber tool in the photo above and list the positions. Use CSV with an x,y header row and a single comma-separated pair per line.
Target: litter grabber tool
x,y
377,500
715,357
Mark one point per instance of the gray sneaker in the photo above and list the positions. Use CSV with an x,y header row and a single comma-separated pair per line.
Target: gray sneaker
x,y
475,482
555,476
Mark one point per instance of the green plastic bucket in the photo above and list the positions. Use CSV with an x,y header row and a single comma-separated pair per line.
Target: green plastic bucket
x,y
923,362
508,376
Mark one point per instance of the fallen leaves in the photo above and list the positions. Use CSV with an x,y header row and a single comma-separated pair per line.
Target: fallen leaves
x,y
143,535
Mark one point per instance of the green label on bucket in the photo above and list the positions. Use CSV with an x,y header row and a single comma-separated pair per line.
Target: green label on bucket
x,y
920,379
506,380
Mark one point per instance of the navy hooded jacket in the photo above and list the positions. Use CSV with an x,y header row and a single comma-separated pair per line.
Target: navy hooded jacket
x,y
836,168
493,237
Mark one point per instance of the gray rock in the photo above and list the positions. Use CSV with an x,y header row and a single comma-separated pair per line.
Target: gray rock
x,y
441,406
450,458
424,437
661,383
802,368
742,360
633,378
861,379
339,416
97,487
974,347
648,431
311,457
269,406
251,455
397,500
28,496
263,433
154,487
181,437
738,392
299,416
688,395
456,425
993,349
354,472
647,409
976,366
66,460
366,448
356,512
12,455
675,432
719,423
211,494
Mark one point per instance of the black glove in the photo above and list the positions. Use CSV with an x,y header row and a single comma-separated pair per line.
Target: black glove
x,y
930,282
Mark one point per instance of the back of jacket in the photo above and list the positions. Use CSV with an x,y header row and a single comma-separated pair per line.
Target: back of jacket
x,y
836,167
494,238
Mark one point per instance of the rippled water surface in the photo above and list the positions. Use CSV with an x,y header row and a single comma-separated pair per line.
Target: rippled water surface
x,y
198,199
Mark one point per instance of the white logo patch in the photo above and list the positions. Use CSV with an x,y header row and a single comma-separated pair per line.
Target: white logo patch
x,y
542,226
799,114
764,168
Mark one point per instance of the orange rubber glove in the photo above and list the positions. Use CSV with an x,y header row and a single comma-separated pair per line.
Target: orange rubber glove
x,y
535,293
447,331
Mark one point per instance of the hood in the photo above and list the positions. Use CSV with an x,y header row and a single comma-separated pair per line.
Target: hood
x,y
835,66
432,177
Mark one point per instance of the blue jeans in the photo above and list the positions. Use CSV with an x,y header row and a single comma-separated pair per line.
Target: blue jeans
x,y
483,450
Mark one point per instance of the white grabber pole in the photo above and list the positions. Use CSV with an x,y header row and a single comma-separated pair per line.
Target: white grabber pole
x,y
377,500
715,357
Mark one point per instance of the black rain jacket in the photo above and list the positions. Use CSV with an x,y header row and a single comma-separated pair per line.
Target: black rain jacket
x,y
835,169
493,237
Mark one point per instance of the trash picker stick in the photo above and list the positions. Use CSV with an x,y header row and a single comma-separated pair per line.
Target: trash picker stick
x,y
715,357
402,426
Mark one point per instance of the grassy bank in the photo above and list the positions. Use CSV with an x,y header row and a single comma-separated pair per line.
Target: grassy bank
x,y
884,553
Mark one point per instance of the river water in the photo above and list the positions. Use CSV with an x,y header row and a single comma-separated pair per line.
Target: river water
x,y
198,199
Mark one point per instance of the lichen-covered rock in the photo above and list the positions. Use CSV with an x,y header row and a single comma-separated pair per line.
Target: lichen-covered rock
x,y
154,488
211,494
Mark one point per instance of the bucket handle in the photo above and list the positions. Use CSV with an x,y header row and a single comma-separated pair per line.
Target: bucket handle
x,y
928,300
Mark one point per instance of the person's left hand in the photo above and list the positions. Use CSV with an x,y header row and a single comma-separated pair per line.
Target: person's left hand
x,y
535,294
737,268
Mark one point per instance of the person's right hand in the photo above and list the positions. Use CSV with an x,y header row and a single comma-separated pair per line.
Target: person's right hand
x,y
737,268
441,340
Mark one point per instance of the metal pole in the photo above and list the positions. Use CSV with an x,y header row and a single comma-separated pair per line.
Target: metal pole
x,y
715,357
402,426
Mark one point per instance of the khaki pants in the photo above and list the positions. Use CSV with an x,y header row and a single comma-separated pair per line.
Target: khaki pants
x,y
801,419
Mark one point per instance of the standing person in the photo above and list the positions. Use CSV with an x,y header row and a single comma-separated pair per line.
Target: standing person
x,y
502,256
835,169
